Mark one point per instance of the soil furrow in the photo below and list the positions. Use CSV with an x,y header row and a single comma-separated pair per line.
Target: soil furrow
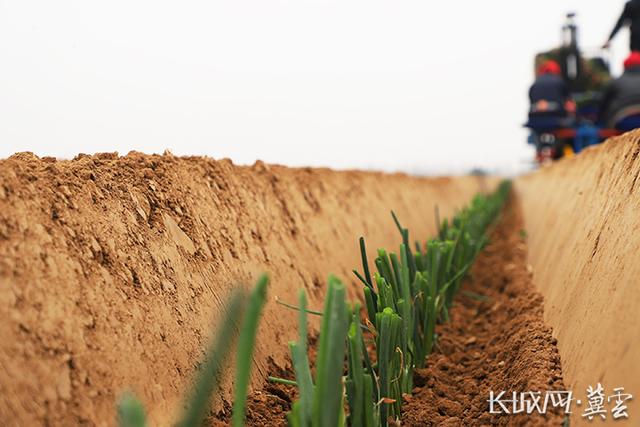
x,y
496,340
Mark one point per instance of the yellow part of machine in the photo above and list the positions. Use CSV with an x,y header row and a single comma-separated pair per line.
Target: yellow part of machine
x,y
567,151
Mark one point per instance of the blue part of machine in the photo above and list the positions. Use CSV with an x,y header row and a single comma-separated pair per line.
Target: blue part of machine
x,y
629,123
547,123
586,135
531,138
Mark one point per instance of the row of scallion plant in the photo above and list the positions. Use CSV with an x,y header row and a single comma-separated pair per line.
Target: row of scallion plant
x,y
408,294
243,310
405,297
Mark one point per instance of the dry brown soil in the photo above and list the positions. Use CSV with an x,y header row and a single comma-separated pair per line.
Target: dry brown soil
x,y
114,269
498,342
582,216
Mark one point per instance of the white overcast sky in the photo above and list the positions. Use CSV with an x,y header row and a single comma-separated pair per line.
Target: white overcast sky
x,y
394,85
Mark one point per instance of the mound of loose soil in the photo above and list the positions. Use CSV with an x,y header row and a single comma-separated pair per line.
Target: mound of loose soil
x,y
113,269
582,216
496,341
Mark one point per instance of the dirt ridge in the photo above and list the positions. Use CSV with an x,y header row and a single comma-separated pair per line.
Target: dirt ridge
x,y
112,268
582,217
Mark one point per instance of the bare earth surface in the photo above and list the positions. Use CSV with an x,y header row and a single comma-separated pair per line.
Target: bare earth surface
x,y
114,269
583,220
496,340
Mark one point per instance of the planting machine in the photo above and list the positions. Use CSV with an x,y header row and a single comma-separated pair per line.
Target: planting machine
x,y
586,77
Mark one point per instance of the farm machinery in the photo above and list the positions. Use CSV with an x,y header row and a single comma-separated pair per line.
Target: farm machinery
x,y
586,78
